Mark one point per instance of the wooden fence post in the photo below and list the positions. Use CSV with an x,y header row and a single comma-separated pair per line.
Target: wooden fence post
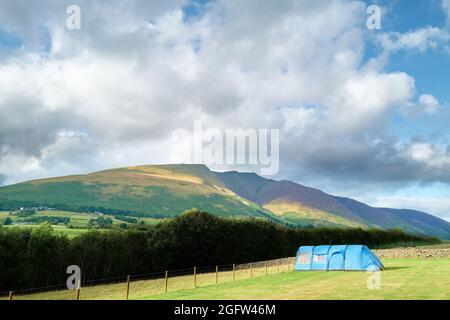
x,y
278,266
195,277
217,274
78,294
166,281
265,264
10,296
251,270
128,287
234,271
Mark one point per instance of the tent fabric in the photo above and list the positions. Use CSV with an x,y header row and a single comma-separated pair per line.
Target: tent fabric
x,y
338,257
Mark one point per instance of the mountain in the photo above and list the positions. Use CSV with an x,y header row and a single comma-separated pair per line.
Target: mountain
x,y
161,191
297,203
168,190
294,202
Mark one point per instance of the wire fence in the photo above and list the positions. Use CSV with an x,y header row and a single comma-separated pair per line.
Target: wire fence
x,y
135,287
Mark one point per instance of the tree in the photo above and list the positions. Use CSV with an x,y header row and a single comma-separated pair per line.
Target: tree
x,y
8,221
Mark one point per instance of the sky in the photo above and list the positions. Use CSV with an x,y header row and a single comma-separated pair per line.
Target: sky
x,y
362,113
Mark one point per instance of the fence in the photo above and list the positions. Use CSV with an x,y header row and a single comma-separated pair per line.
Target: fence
x,y
137,287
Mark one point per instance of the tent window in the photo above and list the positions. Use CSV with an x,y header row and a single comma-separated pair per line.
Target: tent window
x,y
320,258
303,258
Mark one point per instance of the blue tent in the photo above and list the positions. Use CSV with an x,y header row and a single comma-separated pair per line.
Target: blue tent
x,y
342,257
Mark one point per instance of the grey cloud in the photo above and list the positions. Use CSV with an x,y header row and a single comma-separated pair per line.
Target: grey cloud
x,y
339,165
125,84
26,128
32,20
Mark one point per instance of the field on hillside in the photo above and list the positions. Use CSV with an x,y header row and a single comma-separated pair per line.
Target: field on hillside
x,y
71,233
78,223
403,279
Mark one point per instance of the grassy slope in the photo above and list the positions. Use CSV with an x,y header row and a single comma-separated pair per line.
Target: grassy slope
x,y
404,279
79,221
425,224
290,201
167,190
298,203
297,213
408,220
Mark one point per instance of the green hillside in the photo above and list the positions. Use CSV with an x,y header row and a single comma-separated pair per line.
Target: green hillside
x,y
296,203
146,190
295,212
167,190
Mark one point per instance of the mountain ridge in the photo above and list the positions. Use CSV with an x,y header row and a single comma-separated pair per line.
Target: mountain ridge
x,y
167,190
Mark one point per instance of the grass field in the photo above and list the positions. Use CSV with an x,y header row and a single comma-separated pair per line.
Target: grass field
x,y
4,214
403,279
71,233
79,221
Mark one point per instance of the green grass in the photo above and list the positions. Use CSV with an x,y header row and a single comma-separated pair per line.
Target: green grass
x,y
403,279
79,221
297,213
150,221
4,214
71,233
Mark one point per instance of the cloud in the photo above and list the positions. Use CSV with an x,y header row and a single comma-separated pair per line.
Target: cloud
x,y
366,97
429,103
446,7
420,40
435,205
112,93
35,22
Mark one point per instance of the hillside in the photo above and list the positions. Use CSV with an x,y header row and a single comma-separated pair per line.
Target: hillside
x,y
162,191
167,190
297,203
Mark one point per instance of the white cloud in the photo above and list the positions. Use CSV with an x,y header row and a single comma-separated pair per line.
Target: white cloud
x,y
136,81
446,7
366,97
429,103
421,40
436,205
434,157
112,93
421,152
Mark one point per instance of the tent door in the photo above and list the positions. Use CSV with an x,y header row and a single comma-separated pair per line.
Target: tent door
x,y
336,261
